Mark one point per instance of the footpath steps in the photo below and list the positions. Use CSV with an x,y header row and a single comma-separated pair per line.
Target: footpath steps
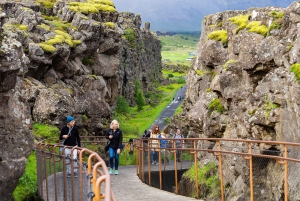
x,y
128,187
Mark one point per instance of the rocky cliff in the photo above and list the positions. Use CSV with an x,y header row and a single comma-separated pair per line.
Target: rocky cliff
x,y
65,58
244,84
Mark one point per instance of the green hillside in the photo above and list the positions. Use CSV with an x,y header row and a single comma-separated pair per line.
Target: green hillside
x,y
178,47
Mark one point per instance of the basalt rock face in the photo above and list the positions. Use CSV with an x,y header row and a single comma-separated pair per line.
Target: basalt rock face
x,y
62,63
250,76
140,57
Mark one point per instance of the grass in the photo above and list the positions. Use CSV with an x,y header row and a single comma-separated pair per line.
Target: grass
x,y
27,185
208,178
43,131
166,74
135,122
178,47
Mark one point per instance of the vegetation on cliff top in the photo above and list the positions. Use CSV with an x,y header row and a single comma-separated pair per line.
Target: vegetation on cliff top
x,y
92,6
219,35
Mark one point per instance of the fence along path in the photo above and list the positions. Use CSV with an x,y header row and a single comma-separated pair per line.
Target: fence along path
x,y
127,186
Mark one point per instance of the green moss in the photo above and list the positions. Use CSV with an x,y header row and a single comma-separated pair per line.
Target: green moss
x,y
275,25
47,48
84,117
94,76
295,68
269,106
89,61
76,42
252,112
231,61
110,25
256,27
56,40
276,14
46,4
241,21
44,26
130,35
208,90
290,47
199,72
50,18
208,178
23,27
219,35
216,105
92,6
64,34
220,24
60,25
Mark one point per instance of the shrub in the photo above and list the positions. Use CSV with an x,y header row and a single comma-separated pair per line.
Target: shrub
x,y
140,100
296,70
170,75
167,120
216,105
275,25
129,34
180,81
122,105
84,117
219,35
241,21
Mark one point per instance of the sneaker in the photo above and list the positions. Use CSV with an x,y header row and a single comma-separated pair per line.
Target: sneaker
x,y
116,172
111,171
69,175
75,175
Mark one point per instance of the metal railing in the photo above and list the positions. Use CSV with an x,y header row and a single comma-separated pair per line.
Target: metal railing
x,y
256,170
91,182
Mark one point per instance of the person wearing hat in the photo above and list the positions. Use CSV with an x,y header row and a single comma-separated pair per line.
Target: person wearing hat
x,y
70,136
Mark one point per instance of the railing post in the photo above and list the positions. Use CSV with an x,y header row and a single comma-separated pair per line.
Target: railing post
x,y
196,169
221,171
251,171
175,166
149,163
159,164
285,174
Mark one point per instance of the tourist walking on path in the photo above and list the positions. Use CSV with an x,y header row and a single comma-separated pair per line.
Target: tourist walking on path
x,y
115,137
70,136
179,144
154,144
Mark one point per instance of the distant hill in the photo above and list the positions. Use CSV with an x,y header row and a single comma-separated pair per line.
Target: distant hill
x,y
186,15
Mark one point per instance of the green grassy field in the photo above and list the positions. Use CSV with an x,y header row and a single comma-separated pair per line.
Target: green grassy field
x,y
178,47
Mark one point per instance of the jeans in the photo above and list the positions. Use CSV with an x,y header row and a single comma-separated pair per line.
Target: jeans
x,y
153,156
68,153
113,155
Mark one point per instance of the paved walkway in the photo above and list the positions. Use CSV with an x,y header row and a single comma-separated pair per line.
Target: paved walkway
x,y
128,187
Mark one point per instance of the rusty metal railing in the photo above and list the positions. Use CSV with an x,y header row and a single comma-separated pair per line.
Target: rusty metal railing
x,y
91,182
251,169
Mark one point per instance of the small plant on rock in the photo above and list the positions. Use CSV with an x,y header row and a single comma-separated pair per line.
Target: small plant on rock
x,y
219,35
216,105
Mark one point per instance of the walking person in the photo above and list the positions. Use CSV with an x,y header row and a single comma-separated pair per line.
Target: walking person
x,y
154,144
115,137
70,136
163,145
179,144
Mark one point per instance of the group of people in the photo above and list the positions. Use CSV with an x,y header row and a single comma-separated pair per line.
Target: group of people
x,y
70,137
155,144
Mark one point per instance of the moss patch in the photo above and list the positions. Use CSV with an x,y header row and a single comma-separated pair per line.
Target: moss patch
x,y
216,105
231,61
44,26
296,70
92,6
47,48
199,72
241,21
219,35
269,106
110,25
256,27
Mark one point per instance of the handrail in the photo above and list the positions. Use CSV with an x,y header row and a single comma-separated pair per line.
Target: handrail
x,y
97,172
222,151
